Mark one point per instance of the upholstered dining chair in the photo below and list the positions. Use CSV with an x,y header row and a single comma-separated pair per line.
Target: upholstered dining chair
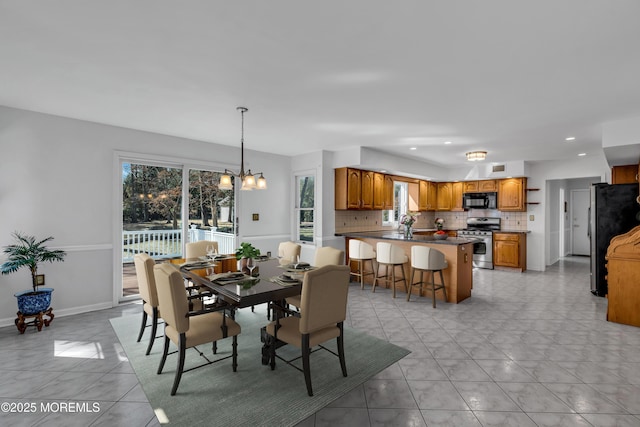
x,y
323,310
287,252
325,255
188,329
147,288
195,250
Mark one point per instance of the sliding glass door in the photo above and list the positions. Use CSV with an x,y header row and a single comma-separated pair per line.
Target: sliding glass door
x,y
155,199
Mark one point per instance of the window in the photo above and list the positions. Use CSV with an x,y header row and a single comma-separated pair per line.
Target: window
x,y
400,204
305,208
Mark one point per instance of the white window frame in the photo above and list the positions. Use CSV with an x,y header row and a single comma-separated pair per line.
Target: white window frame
x,y
402,203
296,205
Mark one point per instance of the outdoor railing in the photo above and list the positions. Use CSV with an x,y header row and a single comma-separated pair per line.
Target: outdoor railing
x,y
168,243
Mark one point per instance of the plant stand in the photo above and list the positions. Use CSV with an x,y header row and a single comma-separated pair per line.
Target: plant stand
x,y
37,321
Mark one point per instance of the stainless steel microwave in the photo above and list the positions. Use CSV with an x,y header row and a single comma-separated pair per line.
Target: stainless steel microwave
x,y
480,200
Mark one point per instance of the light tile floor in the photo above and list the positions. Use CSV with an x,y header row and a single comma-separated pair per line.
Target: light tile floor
x,y
529,349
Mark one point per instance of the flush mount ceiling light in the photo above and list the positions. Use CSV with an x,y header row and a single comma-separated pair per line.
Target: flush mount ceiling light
x,y
474,156
570,138
248,180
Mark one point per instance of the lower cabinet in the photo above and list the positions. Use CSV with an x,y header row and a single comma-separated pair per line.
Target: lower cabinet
x,y
510,250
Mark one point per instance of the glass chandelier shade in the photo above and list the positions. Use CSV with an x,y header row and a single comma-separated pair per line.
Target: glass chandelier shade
x,y
248,180
474,156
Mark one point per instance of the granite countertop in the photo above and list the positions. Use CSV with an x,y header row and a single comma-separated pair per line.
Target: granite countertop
x,y
397,235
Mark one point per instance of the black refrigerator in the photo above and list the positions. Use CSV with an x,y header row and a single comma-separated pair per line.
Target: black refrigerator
x,y
614,210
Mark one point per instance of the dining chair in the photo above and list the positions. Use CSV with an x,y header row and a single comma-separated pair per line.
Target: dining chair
x,y
188,329
195,250
325,255
287,252
323,310
147,288
424,258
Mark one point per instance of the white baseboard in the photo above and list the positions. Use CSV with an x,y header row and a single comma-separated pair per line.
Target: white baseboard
x,y
65,312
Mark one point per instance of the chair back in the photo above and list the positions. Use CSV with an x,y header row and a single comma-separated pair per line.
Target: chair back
x,y
426,258
287,251
194,250
324,297
146,278
327,255
172,296
390,254
360,250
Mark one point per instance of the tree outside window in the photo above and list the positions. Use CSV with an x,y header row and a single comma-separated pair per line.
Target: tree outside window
x,y
305,208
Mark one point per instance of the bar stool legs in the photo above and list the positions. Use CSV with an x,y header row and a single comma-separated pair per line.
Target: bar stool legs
x,y
361,270
432,285
391,280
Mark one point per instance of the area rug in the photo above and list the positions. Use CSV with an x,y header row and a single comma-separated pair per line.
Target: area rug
x,y
254,395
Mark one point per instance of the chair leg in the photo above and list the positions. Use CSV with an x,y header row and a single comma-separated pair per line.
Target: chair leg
x,y
444,288
234,346
404,278
393,279
214,347
144,323
305,363
413,272
340,339
433,288
272,351
182,345
375,278
164,354
361,271
154,330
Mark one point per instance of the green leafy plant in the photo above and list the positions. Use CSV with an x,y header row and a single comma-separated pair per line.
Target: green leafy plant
x,y
26,252
246,250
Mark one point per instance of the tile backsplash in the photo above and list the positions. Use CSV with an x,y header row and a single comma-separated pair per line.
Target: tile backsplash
x,y
347,221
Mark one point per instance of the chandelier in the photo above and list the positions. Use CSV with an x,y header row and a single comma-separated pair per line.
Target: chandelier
x,y
249,181
474,156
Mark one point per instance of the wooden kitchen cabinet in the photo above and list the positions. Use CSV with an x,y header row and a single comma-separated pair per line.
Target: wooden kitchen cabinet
x,y
444,196
366,190
510,250
388,192
627,174
512,195
487,185
378,191
347,189
428,196
470,187
456,196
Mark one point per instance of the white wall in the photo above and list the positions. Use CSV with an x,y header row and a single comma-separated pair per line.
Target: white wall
x,y
56,178
539,173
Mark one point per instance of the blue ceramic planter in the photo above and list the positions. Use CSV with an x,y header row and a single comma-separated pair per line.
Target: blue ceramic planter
x,y
30,303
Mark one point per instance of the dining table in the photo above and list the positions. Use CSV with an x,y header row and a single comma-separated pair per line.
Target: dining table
x,y
272,284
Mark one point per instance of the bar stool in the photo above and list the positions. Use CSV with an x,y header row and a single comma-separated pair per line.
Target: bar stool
x,y
423,259
361,252
390,256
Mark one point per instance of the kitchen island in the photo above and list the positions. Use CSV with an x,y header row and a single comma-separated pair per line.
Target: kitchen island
x,y
458,252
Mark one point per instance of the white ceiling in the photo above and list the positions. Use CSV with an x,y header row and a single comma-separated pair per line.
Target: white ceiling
x,y
514,78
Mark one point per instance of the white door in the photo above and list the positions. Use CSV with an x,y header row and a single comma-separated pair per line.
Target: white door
x,y
580,200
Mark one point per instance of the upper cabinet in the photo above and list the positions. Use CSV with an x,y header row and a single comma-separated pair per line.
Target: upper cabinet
x,y
444,196
512,195
456,196
366,195
428,196
627,174
358,189
484,186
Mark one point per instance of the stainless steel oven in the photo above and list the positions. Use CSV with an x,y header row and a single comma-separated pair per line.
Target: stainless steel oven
x,y
481,229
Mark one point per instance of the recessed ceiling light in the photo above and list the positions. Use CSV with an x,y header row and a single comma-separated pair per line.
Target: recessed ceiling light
x,y
383,170
447,142
571,138
582,154
413,148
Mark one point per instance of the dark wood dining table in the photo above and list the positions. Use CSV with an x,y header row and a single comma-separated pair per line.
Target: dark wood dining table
x,y
262,292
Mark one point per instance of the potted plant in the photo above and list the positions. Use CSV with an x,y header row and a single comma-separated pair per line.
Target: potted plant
x,y
244,252
28,252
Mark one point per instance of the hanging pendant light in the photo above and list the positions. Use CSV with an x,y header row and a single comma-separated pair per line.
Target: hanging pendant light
x,y
247,179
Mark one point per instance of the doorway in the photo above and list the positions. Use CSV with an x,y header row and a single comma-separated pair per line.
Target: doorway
x,y
580,200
